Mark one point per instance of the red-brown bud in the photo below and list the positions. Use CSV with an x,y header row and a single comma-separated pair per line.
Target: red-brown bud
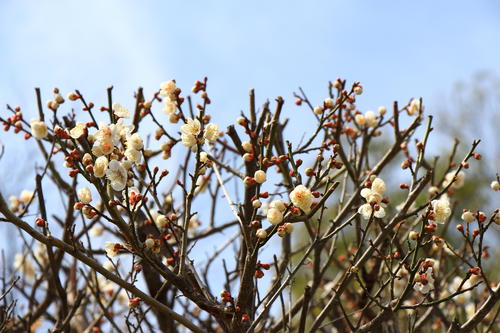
x,y
40,222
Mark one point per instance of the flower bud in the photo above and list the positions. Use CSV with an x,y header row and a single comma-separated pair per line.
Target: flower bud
x,y
495,185
241,121
85,195
134,302
256,204
318,110
481,217
58,98
248,157
40,222
405,164
260,176
358,90
274,216
258,274
72,96
468,216
161,221
309,172
39,129
247,146
439,241
150,243
329,103
249,181
261,233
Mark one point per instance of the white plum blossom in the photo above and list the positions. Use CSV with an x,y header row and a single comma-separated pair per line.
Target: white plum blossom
x,y
371,119
373,196
107,133
26,196
38,129
133,155
78,131
112,249
169,108
466,296
167,89
100,166
360,120
134,141
211,133
441,208
414,107
14,203
109,136
378,185
274,216
122,130
190,131
117,175
278,204
191,127
101,148
367,209
120,111
85,195
459,179
425,282
376,192
302,198
189,140
204,157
